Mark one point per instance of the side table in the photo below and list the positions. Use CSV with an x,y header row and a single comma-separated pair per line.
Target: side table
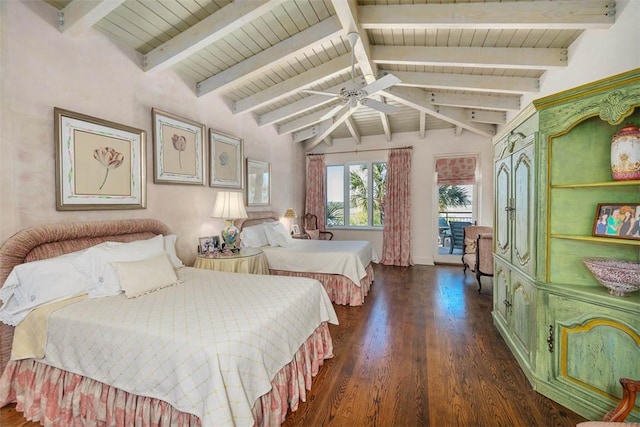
x,y
248,260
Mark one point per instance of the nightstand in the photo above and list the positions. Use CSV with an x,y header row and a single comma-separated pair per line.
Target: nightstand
x,y
300,236
248,260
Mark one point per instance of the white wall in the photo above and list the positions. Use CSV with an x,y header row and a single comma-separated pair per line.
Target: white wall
x,y
89,74
597,54
423,211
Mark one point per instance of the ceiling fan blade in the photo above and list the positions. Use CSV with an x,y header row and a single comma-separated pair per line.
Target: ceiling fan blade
x,y
332,112
319,92
380,106
381,84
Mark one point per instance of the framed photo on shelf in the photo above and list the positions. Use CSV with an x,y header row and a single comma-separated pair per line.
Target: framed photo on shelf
x,y
99,164
225,160
178,149
208,244
258,183
295,228
617,221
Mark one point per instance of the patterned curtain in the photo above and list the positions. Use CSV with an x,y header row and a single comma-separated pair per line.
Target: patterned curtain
x,y
396,235
315,201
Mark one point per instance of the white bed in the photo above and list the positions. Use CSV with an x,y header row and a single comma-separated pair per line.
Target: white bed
x,y
214,349
343,267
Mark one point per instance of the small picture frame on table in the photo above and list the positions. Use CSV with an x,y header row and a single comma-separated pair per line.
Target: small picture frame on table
x,y
617,221
295,229
208,244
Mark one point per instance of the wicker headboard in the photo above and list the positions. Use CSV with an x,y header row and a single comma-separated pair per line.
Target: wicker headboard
x,y
256,218
47,241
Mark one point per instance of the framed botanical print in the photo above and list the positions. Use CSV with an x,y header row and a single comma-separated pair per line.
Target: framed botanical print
x,y
258,183
99,164
178,149
225,160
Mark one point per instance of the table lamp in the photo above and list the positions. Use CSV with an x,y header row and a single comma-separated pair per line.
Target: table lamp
x,y
291,214
229,206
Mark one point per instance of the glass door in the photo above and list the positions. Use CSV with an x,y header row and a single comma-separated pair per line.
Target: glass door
x,y
455,205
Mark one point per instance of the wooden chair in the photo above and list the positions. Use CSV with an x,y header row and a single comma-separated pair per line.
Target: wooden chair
x,y
477,254
457,234
617,415
311,228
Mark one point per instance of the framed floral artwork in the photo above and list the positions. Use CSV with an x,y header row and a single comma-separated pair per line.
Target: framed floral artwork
x,y
178,149
99,164
258,183
225,160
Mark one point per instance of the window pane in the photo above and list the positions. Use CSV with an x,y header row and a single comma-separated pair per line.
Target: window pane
x,y
358,195
379,181
335,195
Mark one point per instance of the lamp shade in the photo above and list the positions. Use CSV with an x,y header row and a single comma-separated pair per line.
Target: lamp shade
x,y
290,213
229,205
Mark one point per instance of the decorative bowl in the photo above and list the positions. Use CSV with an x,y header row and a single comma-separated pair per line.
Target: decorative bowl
x,y
620,277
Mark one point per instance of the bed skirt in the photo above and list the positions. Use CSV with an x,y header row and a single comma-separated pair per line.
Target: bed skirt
x,y
55,397
341,290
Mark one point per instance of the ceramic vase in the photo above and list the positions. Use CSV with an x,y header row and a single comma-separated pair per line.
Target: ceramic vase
x,y
625,154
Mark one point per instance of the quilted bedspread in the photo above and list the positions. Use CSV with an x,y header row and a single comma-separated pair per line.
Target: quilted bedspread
x,y
346,257
209,346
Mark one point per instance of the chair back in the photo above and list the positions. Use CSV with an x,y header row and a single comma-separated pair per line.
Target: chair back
x,y
457,234
310,221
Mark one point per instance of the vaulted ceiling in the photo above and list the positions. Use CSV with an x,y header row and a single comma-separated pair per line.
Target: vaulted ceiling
x,y
462,64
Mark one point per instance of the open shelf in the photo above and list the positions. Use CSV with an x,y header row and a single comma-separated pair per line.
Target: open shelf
x,y
599,184
597,239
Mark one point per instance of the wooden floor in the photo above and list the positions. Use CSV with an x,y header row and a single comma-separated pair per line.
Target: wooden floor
x,y
422,351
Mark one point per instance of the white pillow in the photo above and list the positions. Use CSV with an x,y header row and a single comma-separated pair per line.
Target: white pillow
x,y
170,249
254,236
32,284
94,264
277,235
141,277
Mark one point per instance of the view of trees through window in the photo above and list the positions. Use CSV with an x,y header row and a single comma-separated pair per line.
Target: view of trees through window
x,y
364,185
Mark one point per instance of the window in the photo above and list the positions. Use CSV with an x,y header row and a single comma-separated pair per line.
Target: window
x,y
363,184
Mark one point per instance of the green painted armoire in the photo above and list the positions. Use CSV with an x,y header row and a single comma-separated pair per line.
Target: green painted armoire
x,y
571,337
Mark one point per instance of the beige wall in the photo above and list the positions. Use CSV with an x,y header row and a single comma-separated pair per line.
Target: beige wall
x,y
42,68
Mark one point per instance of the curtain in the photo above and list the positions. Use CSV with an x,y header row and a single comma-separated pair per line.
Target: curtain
x,y
315,200
456,171
396,235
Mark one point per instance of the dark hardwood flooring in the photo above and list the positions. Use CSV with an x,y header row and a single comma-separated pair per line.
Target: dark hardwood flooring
x,y
421,351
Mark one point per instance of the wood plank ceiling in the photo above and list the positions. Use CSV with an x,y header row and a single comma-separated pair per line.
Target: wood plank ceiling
x,y
462,63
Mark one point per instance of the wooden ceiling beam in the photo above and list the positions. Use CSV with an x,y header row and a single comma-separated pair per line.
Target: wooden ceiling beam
x,y
216,26
80,15
481,57
472,100
353,130
419,101
516,85
293,85
484,116
297,107
284,51
303,122
537,15
337,121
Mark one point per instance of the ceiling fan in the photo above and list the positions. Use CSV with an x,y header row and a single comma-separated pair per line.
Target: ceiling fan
x,y
354,94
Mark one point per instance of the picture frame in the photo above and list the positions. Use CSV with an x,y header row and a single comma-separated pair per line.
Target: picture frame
x,y
99,164
617,221
258,183
225,160
295,229
208,244
178,149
